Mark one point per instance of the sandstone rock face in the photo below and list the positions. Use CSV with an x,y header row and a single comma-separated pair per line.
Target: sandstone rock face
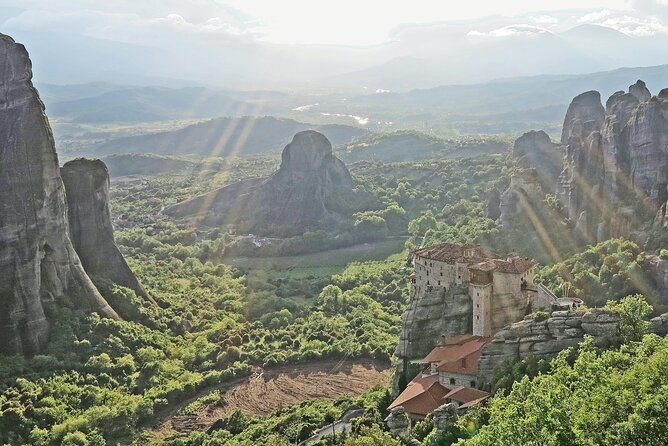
x,y
443,419
492,204
432,314
640,91
547,337
519,196
309,191
535,150
585,114
87,189
38,263
615,174
398,423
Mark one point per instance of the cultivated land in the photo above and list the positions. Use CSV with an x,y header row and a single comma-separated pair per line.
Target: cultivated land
x,y
268,390
365,252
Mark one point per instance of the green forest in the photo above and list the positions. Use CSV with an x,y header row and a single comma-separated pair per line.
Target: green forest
x,y
105,382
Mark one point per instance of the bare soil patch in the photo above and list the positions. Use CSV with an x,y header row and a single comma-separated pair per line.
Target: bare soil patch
x,y
268,390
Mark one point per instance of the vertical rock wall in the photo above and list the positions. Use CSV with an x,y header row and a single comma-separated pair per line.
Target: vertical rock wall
x,y
38,262
87,187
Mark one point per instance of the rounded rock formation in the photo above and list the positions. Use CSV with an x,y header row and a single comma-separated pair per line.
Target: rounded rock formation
x,y
87,188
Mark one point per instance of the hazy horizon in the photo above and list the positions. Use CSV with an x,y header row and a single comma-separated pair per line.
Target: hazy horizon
x,y
308,46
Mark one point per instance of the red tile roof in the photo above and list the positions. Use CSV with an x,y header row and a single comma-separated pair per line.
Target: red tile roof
x,y
464,395
449,252
478,258
458,354
466,364
425,394
422,396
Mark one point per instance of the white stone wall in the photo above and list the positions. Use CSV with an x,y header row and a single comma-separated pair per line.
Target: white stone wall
x,y
481,296
450,380
434,273
507,283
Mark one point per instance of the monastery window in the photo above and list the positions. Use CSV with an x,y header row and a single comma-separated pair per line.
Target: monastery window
x,y
478,293
477,317
427,282
452,381
441,273
439,283
477,305
472,383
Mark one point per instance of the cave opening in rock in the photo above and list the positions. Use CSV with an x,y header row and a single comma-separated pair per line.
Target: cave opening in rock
x,y
47,274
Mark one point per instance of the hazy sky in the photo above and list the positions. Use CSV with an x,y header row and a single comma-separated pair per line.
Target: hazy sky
x,y
267,43
344,22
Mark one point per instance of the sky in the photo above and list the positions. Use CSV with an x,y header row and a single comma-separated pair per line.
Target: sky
x,y
294,41
341,22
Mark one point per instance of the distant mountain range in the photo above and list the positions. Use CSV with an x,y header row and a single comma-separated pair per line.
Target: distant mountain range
x,y
499,106
224,137
99,102
418,57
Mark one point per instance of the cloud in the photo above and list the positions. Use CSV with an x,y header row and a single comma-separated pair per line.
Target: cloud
x,y
210,25
595,16
647,18
511,30
544,19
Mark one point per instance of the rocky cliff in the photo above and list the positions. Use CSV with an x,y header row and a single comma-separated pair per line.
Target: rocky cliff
x,y
616,171
311,190
431,314
547,337
38,263
613,177
535,150
87,189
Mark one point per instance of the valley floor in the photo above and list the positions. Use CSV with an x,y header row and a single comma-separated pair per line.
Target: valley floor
x,y
271,389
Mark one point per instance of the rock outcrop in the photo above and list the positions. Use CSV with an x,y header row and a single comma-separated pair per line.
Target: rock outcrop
x,y
311,190
492,204
399,424
431,314
38,263
522,194
640,91
535,150
616,171
443,419
87,189
584,115
547,337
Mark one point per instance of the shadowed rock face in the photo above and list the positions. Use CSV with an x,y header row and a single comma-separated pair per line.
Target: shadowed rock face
x,y
38,263
87,187
535,150
309,191
546,338
615,175
584,115
640,91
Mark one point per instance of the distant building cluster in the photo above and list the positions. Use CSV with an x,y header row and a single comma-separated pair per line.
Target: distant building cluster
x,y
502,291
